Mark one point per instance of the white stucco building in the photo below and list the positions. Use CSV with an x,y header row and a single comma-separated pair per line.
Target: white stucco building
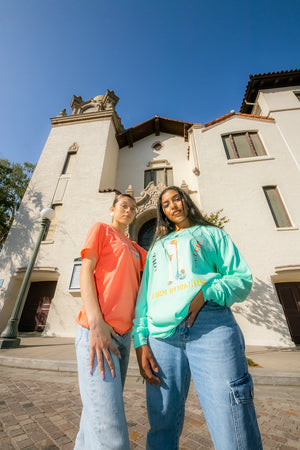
x,y
246,163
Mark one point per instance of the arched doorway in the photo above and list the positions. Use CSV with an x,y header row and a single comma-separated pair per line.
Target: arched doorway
x,y
146,233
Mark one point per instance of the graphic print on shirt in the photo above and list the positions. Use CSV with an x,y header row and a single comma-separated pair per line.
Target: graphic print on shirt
x,y
196,252
176,270
130,248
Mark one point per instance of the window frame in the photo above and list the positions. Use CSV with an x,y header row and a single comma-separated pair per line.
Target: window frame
x,y
66,163
74,285
282,205
251,145
152,170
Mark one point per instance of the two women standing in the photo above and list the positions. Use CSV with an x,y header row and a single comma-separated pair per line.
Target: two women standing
x,y
183,327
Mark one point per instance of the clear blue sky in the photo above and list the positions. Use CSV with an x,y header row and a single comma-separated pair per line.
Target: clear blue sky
x,y
183,59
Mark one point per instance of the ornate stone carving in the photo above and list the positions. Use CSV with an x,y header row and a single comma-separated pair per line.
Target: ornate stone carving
x,y
149,197
73,148
76,103
110,100
146,207
98,103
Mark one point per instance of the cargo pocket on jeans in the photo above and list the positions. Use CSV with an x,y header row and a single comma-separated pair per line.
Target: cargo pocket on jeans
x,y
245,425
241,390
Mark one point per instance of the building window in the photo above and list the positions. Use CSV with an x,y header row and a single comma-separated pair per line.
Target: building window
x,y
53,224
157,146
163,175
69,162
74,282
276,206
243,145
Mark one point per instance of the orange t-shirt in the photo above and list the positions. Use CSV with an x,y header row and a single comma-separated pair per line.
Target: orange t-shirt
x,y
117,275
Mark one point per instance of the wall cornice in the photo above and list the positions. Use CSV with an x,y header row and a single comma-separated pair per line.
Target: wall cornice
x,y
88,117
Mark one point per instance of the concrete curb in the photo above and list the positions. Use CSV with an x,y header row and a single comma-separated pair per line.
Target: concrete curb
x,y
260,376
51,365
40,364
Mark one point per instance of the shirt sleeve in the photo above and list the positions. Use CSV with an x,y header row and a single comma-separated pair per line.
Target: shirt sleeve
x,y
94,240
140,323
234,279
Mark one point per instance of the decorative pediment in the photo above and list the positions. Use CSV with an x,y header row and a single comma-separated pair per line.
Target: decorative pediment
x,y
98,103
149,197
146,206
159,162
73,148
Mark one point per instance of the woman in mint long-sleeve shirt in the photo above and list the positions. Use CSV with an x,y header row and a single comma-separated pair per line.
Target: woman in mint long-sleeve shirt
x,y
184,326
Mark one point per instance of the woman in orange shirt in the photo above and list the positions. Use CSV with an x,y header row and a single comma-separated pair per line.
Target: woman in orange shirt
x,y
109,283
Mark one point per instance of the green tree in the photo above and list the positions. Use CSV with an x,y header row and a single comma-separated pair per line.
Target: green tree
x,y
216,218
14,179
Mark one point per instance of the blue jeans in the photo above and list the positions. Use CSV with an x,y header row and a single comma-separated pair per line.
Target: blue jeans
x,y
213,352
103,424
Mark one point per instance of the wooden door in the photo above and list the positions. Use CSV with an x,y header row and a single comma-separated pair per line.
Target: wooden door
x,y
37,305
289,296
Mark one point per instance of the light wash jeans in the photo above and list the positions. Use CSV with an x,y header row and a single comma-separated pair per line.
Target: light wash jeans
x,y
213,351
103,424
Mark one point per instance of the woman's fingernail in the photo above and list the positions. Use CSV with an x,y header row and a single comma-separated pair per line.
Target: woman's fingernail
x,y
103,377
91,372
114,375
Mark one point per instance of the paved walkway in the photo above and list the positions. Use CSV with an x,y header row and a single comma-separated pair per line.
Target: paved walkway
x,y
40,409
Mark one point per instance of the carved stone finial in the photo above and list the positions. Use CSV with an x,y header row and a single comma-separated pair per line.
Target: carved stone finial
x,y
98,103
110,100
184,186
76,104
62,113
129,191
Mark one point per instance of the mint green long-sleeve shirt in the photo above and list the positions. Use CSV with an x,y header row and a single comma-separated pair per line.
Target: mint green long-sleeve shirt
x,y
177,267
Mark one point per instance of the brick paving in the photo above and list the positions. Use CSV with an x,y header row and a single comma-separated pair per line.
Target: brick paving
x,y
41,410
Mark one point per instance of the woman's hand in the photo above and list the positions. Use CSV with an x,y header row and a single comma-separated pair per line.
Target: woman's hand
x,y
195,307
101,344
147,364
101,333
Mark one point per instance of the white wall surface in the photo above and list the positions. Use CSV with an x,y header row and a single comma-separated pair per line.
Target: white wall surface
x,y
237,188
283,105
133,162
82,206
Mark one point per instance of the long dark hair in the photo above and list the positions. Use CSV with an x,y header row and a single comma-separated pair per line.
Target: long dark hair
x,y
165,226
